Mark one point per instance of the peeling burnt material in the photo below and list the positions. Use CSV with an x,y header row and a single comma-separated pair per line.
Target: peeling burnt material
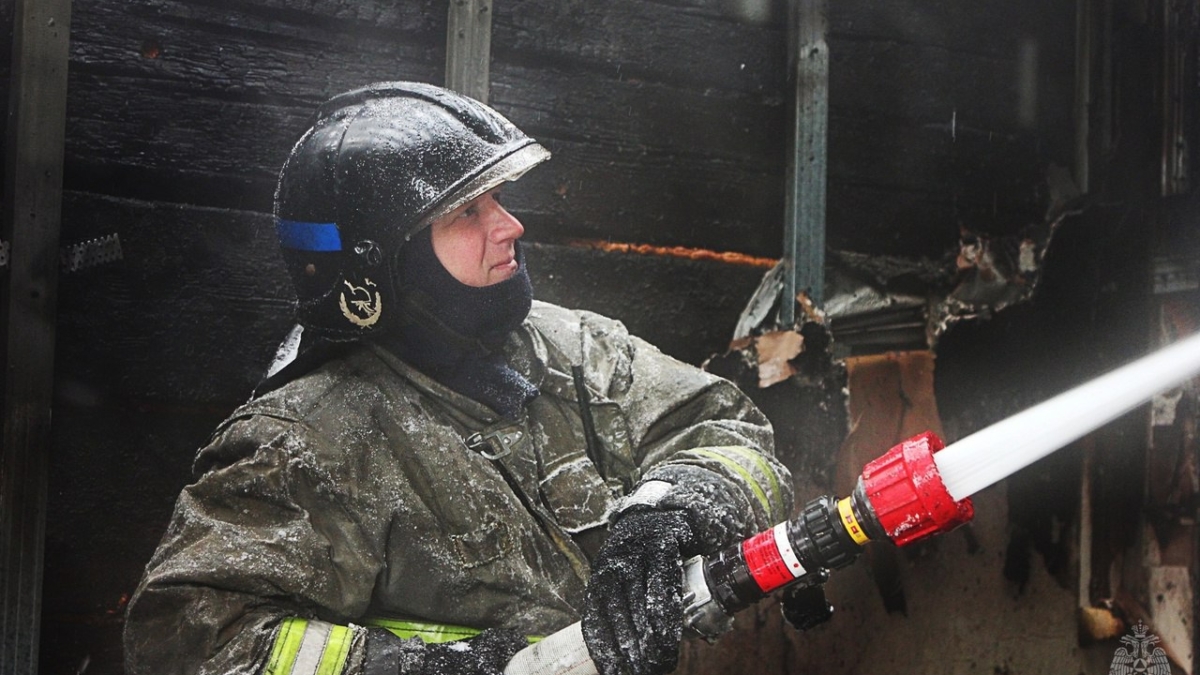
x,y
807,408
993,273
777,355
881,303
878,303
775,352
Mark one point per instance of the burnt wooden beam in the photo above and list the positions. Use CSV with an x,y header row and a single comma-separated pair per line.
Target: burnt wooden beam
x,y
469,47
31,218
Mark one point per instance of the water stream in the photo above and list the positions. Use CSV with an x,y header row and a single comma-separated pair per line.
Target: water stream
x,y
998,451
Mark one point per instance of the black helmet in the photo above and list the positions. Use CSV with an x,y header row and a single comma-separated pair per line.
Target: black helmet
x,y
377,165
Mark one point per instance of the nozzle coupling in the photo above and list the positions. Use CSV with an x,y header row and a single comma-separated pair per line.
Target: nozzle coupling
x,y
899,496
801,552
905,496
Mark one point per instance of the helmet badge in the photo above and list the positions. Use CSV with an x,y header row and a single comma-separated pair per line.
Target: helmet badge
x,y
362,305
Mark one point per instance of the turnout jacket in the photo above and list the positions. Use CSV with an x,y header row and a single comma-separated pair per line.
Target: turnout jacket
x,y
365,493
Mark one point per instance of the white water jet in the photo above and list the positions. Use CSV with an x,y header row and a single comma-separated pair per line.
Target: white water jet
x,y
998,451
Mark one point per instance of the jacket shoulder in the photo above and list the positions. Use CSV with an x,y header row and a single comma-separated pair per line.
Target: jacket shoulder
x,y
335,393
565,338
354,374
569,330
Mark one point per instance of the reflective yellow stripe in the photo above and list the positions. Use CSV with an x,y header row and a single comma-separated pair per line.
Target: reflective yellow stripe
x,y
305,647
429,632
287,645
740,470
765,467
337,650
853,528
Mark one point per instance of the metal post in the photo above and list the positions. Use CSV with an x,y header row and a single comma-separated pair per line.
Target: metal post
x,y
804,224
469,47
1083,92
32,208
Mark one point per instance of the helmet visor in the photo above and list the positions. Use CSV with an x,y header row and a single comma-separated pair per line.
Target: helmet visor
x,y
507,169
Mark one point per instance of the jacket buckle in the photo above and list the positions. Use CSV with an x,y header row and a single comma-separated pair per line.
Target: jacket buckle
x,y
482,443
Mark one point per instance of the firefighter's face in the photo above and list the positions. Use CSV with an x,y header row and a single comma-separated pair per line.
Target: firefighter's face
x,y
476,241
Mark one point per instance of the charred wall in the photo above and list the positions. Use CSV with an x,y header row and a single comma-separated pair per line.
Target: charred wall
x,y
667,120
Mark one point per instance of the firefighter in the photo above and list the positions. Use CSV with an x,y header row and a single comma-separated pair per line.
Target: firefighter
x,y
437,467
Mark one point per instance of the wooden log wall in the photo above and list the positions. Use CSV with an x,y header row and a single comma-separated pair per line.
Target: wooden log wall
x,y
944,115
667,122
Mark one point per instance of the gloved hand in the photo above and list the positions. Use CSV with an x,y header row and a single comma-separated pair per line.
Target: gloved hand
x,y
633,616
484,654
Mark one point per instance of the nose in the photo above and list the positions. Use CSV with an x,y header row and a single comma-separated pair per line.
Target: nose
x,y
504,226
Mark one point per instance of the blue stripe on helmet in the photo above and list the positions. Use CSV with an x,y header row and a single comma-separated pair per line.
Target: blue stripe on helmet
x,y
303,236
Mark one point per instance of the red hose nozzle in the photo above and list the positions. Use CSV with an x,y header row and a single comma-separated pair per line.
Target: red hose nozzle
x,y
907,494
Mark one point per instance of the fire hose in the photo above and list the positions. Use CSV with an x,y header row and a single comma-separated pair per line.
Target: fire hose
x,y
905,496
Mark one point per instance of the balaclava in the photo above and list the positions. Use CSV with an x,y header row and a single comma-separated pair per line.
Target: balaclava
x,y
456,333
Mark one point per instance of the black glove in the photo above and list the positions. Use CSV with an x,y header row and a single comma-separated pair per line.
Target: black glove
x,y
484,654
633,617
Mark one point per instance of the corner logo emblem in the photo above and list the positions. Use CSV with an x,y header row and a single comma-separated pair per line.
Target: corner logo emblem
x,y
362,305
1142,657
